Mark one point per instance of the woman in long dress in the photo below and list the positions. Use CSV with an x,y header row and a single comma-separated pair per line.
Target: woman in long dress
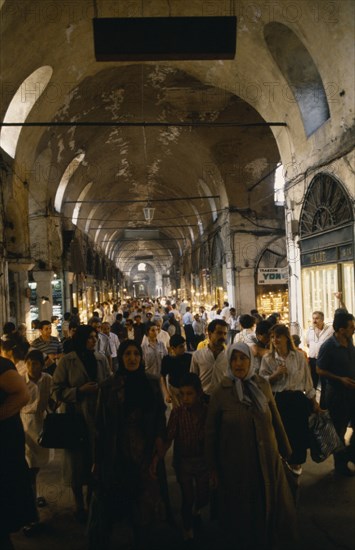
x,y
130,445
76,383
244,440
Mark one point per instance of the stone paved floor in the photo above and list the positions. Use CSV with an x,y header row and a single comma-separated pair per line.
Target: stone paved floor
x,y
326,513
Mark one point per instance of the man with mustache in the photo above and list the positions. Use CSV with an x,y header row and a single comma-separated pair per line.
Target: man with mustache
x,y
210,362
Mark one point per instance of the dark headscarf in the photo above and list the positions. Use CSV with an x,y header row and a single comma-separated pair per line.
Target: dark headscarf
x,y
86,356
138,390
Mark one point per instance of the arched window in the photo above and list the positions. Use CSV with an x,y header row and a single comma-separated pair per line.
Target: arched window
x,y
301,73
326,206
21,104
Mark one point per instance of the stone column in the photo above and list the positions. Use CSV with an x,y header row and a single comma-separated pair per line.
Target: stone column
x,y
230,280
294,285
4,292
68,278
44,289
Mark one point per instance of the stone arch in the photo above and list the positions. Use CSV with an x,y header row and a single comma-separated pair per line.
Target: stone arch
x,y
326,206
273,255
68,173
20,106
142,281
301,73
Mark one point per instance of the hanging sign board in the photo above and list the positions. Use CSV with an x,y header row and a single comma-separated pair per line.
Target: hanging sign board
x,y
273,276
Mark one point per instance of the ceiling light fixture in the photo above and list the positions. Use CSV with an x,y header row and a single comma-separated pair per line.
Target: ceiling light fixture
x,y
148,212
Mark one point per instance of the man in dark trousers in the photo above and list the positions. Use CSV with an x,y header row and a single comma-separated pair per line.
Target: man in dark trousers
x,y
336,363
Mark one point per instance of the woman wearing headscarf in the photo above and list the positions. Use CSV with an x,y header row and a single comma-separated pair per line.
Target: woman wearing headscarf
x,y
290,379
76,382
244,440
129,450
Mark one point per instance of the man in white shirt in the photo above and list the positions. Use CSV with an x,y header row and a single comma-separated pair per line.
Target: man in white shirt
x,y
163,336
114,344
103,341
129,329
316,335
233,325
175,311
210,362
199,329
225,312
187,320
153,351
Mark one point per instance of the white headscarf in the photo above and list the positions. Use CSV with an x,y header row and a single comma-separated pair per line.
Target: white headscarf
x,y
254,395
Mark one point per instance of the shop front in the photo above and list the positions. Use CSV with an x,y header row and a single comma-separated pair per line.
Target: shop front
x,y
327,249
272,281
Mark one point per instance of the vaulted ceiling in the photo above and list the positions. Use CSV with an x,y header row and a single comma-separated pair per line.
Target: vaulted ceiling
x,y
217,153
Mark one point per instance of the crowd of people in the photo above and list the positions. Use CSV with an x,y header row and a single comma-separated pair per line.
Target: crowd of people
x,y
231,393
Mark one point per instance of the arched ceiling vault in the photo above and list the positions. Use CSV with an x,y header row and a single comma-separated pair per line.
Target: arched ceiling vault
x,y
123,163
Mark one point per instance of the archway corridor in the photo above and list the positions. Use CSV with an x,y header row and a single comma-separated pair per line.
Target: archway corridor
x,y
172,163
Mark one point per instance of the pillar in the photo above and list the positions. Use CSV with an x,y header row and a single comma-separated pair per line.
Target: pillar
x,y
4,298
294,285
44,289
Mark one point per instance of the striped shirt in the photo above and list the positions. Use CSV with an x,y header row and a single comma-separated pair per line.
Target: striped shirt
x,y
187,430
48,347
297,378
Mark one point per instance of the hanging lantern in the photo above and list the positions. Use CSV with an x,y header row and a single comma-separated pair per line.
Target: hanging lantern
x,y
148,212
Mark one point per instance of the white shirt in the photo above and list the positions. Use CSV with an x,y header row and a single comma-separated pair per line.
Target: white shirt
x,y
225,313
204,317
176,314
130,333
164,337
32,415
234,323
315,338
183,307
40,392
187,318
114,344
153,355
210,370
298,377
247,336
103,344
199,327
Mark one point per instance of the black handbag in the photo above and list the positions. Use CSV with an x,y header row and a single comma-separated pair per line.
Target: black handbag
x,y
324,439
63,431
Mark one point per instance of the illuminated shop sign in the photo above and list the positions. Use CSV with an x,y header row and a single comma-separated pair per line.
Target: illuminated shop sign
x,y
272,275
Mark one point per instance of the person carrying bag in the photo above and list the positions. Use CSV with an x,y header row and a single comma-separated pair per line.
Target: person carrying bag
x,y
323,438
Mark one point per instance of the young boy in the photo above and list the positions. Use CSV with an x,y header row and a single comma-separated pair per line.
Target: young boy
x,y
39,385
186,427
174,366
